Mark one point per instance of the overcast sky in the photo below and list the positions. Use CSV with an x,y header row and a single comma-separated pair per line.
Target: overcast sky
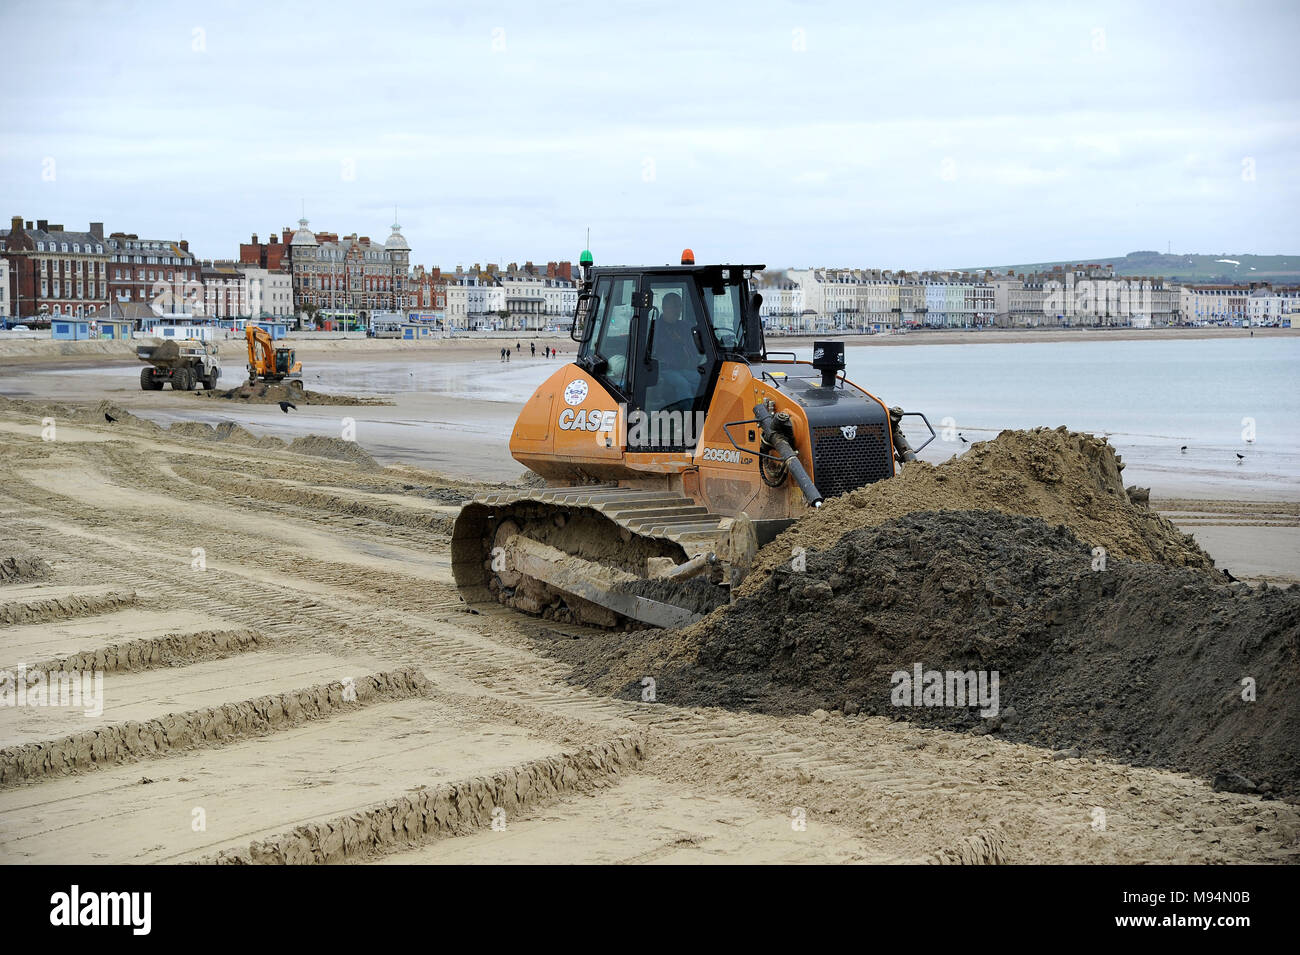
x,y
900,135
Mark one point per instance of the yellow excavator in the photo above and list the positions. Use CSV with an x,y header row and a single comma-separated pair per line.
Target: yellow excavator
x,y
268,363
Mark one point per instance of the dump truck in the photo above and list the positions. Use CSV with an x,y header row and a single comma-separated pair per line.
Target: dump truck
x,y
672,447
184,363
269,363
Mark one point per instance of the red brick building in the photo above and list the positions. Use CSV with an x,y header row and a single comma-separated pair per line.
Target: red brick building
x,y
427,291
152,271
54,272
272,255
349,276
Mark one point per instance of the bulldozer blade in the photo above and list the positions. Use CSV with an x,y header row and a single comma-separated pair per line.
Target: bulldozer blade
x,y
592,582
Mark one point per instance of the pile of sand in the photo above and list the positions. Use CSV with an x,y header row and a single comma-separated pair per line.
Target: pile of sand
x,y
334,448
1058,475
988,562
269,393
1142,662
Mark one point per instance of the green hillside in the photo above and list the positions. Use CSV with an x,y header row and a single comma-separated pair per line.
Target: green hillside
x,y
1187,267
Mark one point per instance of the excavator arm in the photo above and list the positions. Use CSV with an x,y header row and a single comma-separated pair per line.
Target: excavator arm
x,y
260,353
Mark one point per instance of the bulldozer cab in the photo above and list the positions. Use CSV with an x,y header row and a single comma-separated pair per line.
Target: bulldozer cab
x,y
657,338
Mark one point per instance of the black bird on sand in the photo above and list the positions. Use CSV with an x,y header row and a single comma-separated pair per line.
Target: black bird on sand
x,y
286,405
1183,449
109,418
963,438
1240,457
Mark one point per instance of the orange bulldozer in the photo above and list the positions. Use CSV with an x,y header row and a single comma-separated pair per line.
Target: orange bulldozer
x,y
672,448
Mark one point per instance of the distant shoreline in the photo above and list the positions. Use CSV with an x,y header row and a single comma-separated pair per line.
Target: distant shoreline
x,y
466,347
1005,336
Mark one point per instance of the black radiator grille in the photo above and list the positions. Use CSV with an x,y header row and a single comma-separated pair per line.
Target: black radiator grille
x,y
842,464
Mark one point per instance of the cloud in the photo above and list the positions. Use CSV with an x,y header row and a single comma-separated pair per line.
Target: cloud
x,y
913,137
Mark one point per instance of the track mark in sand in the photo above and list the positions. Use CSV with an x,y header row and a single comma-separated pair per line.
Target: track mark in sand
x,y
683,841
34,607
146,654
66,638
219,725
447,809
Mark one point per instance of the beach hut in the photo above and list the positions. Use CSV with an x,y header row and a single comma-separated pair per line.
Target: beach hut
x,y
413,330
116,329
69,330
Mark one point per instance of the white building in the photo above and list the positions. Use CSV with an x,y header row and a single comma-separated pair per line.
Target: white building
x,y
1270,306
270,294
474,300
560,300
782,307
6,307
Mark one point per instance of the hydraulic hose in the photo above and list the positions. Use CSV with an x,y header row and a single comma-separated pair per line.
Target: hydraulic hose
x,y
774,436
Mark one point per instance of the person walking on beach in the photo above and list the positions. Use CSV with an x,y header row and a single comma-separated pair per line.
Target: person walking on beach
x,y
503,354
532,347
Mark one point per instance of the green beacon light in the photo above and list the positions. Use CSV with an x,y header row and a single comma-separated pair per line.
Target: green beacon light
x,y
585,258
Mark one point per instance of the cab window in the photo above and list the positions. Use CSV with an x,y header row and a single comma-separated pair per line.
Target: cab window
x,y
725,317
612,338
679,363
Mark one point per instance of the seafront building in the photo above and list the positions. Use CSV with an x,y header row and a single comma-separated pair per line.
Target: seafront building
x,y
871,300
151,270
349,277
306,279
517,298
55,272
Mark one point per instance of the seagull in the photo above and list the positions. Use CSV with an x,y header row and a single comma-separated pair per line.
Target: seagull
x,y
1184,449
286,405
110,419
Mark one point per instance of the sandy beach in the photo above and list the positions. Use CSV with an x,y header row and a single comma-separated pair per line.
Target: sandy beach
x,y
285,646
